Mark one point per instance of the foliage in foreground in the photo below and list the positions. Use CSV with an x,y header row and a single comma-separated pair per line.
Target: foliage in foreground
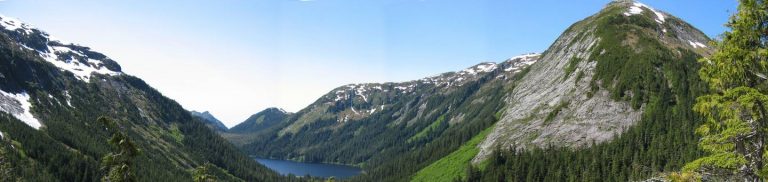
x,y
736,117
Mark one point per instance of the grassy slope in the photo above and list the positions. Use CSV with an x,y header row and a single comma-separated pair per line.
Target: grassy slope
x,y
427,129
453,165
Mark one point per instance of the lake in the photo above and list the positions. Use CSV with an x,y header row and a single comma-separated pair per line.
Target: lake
x,y
286,167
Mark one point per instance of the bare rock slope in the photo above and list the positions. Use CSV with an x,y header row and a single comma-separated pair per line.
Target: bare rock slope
x,y
560,102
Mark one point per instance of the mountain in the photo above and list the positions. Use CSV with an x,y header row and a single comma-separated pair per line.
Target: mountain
x,y
255,125
261,120
210,121
372,124
51,94
610,100
598,78
615,89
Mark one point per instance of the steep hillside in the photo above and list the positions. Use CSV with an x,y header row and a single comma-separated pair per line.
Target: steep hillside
x,y
594,82
373,124
51,94
609,101
210,120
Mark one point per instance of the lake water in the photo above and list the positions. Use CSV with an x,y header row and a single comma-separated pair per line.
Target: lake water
x,y
285,167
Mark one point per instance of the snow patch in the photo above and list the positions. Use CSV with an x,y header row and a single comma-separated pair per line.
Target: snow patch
x,y
19,106
518,62
82,71
487,67
526,56
696,44
637,8
13,24
405,89
481,68
361,92
68,97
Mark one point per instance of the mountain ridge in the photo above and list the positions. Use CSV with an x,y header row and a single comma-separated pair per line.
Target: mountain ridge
x,y
52,94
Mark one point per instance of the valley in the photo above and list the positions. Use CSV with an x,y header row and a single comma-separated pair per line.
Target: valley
x,y
629,93
588,90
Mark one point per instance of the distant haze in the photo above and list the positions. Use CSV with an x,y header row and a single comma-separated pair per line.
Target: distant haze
x,y
235,58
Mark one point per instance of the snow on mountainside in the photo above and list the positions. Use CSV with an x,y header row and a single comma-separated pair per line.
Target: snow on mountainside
x,y
18,105
80,61
52,95
363,92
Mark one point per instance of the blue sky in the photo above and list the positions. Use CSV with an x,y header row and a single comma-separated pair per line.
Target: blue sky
x,y
235,58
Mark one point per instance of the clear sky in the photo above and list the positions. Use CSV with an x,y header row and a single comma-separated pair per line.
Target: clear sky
x,y
235,58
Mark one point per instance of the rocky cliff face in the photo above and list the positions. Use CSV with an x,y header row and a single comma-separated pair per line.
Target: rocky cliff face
x,y
568,99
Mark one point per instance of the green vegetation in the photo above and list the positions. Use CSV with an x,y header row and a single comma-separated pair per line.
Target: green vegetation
x,y
119,164
70,144
427,129
202,173
555,111
645,73
571,67
736,115
412,131
176,133
453,165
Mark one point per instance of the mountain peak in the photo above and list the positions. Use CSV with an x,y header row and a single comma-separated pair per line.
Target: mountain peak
x,y
210,120
81,61
638,8
261,120
275,109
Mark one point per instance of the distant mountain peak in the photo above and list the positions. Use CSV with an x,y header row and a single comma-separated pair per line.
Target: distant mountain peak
x,y
261,120
210,120
275,109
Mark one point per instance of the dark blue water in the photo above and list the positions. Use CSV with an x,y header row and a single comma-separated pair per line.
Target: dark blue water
x,y
313,169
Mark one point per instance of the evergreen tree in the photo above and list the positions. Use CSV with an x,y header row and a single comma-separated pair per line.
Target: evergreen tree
x,y
6,173
119,164
735,112
201,174
473,173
